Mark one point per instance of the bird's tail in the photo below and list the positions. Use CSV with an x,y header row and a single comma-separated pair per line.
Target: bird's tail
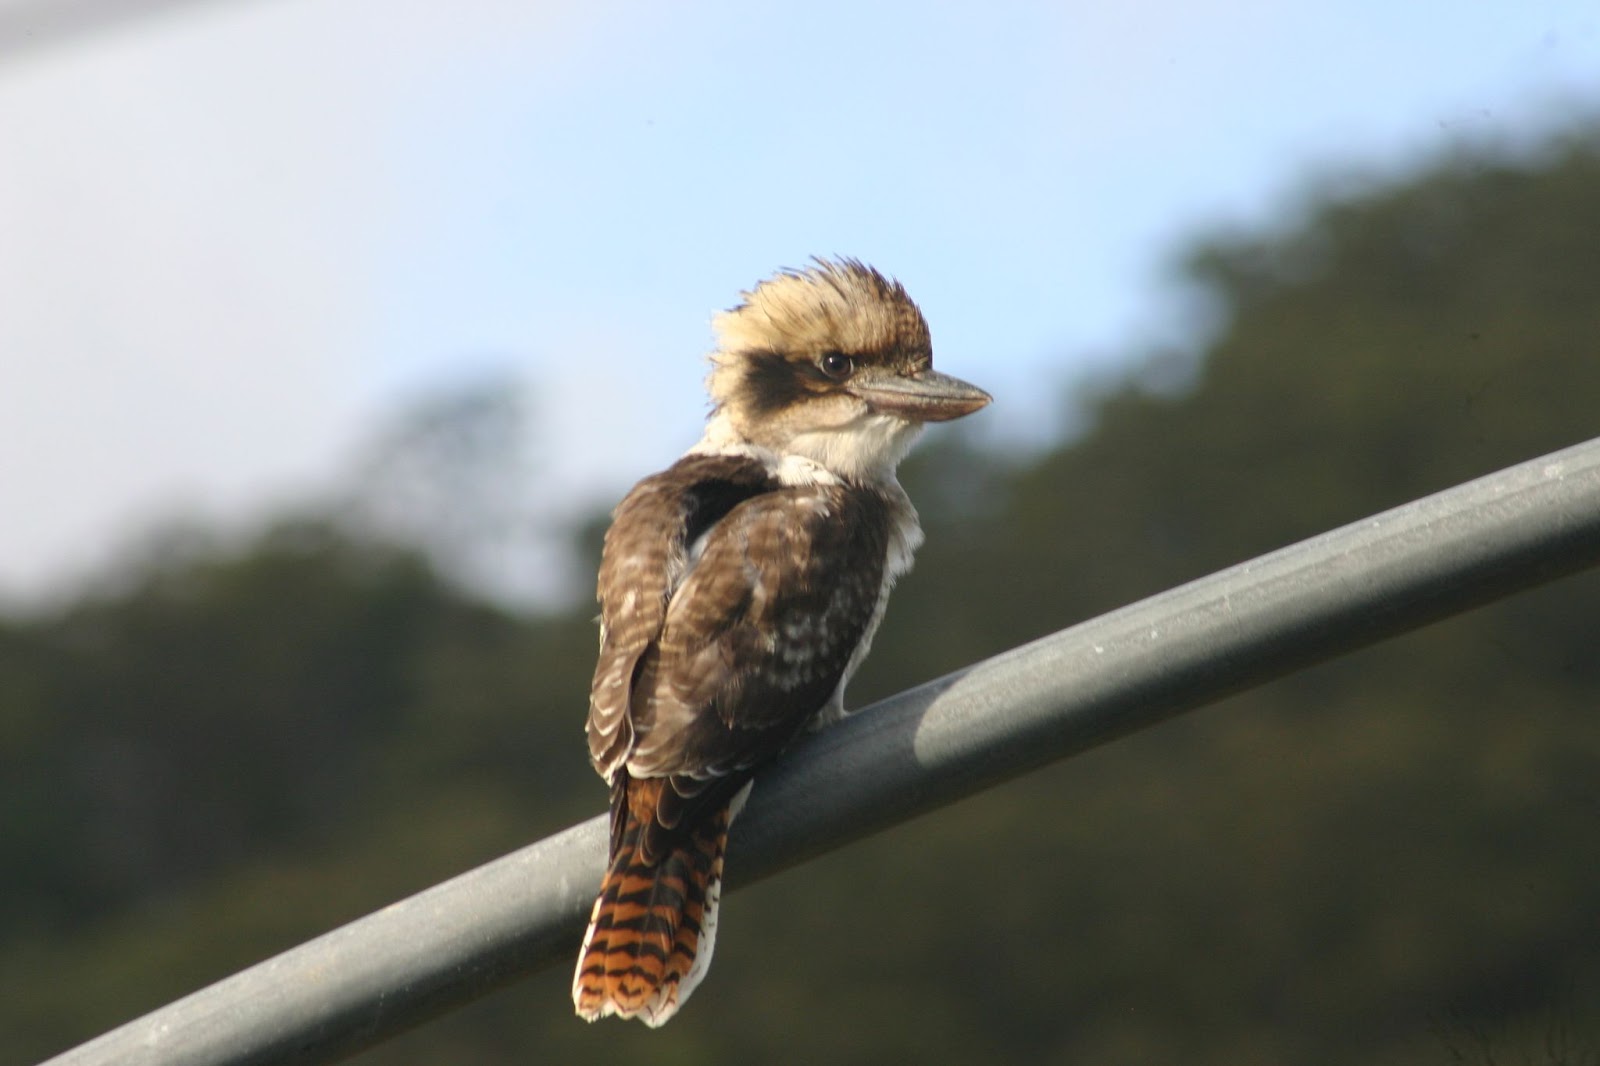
x,y
654,924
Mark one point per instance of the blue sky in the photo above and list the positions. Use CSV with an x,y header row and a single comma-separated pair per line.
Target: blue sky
x,y
234,236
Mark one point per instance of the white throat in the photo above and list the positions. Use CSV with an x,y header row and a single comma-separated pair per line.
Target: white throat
x,y
867,449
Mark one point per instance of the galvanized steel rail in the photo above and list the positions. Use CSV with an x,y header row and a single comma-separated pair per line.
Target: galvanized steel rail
x,y
908,755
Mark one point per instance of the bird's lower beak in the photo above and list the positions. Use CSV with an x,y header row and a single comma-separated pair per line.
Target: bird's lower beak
x,y
928,396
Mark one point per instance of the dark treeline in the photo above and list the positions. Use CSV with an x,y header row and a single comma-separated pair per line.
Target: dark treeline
x,y
1388,859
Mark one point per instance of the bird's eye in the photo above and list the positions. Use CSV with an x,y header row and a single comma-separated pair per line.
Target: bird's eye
x,y
836,365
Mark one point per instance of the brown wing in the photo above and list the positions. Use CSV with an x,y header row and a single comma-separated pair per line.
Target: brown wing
x,y
646,556
758,635
766,607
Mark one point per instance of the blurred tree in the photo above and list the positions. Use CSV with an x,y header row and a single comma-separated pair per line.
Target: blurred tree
x,y
454,476
1388,859
213,709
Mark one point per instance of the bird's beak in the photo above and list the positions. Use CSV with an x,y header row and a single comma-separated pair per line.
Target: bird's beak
x,y
926,396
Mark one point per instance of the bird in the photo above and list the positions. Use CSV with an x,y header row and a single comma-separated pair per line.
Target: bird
x,y
739,590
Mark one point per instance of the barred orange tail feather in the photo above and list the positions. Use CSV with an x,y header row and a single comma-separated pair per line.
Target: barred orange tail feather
x,y
654,925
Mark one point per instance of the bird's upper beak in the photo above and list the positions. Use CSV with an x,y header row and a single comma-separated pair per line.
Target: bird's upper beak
x,y
926,396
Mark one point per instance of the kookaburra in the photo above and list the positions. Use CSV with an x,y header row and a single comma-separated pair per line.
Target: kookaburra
x,y
739,590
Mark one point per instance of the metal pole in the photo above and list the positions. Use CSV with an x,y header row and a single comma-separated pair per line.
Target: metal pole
x,y
908,755
36,25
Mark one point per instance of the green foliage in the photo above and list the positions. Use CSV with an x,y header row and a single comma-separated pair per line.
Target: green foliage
x,y
1388,859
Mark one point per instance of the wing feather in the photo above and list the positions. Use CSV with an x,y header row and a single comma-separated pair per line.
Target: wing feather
x,y
756,639
646,555
712,660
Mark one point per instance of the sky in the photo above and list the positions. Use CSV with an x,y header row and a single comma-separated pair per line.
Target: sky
x,y
236,238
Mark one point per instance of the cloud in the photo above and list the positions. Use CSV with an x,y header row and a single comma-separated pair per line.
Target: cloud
x,y
192,217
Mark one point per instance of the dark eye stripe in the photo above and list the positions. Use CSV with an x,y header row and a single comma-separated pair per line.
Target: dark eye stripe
x,y
771,382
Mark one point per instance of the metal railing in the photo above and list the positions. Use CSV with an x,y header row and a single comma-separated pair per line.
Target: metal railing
x,y
28,27
908,755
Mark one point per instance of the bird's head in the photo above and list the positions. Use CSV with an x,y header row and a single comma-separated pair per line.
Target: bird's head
x,y
832,363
